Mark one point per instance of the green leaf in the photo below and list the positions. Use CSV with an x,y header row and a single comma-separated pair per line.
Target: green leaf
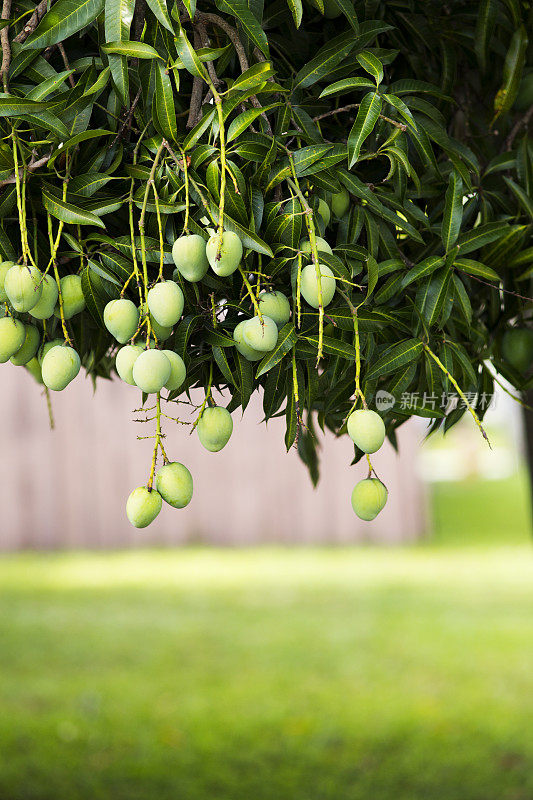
x,y
296,11
164,103
373,274
462,298
327,59
66,212
117,23
189,57
223,364
245,119
523,198
486,19
346,6
453,211
291,419
480,236
346,85
239,9
65,18
512,72
430,298
252,77
422,270
11,106
245,378
401,108
94,299
130,48
159,10
49,86
399,355
335,347
199,129
77,139
476,268
367,116
371,64
286,339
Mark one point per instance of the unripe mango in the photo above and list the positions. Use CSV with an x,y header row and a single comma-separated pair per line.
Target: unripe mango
x,y
517,348
71,295
143,506
59,367
323,210
121,318
165,303
215,428
368,498
160,331
177,370
23,287
44,309
46,347
5,266
124,361
230,253
321,245
309,285
189,254
260,335
366,429
12,335
340,203
151,371
30,345
245,350
34,368
174,484
276,306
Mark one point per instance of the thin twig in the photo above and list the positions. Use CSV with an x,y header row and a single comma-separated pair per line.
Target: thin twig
x,y
522,122
66,63
31,167
350,107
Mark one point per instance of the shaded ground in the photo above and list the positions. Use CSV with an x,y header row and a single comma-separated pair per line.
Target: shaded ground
x,y
290,674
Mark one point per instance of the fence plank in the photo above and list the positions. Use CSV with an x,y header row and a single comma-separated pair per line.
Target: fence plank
x,y
67,487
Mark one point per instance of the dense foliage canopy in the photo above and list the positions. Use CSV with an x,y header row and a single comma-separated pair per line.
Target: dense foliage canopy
x,y
128,124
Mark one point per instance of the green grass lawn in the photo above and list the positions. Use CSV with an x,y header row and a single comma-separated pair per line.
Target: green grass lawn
x,y
348,674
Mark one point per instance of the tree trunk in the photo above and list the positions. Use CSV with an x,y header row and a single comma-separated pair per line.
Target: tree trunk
x,y
528,425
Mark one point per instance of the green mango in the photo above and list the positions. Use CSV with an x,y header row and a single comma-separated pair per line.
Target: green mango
x,y
12,335
190,258
32,340
366,429
215,428
165,303
23,287
276,306
230,253
44,309
59,367
121,318
151,371
368,498
174,484
309,285
143,506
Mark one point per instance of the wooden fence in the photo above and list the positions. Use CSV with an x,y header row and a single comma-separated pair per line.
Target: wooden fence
x,y
67,488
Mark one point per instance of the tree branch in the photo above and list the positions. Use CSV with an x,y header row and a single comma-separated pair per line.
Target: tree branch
x,y
32,23
31,167
6,47
522,122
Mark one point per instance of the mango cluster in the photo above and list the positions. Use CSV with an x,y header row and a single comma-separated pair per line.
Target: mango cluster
x,y
26,291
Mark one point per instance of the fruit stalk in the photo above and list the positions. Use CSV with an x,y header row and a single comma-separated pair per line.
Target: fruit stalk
x,y
309,221
149,184
460,392
158,442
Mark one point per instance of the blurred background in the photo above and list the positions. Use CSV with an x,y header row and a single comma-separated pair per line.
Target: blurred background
x,y
262,643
